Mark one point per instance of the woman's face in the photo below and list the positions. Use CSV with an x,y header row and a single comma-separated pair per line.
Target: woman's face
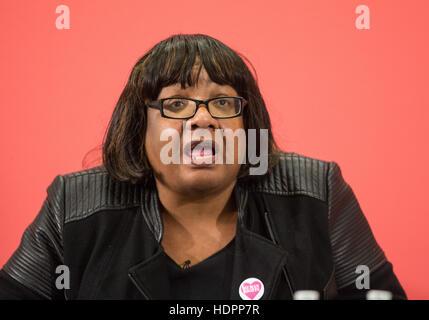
x,y
185,178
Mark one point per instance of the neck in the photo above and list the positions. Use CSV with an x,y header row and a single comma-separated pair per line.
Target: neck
x,y
212,208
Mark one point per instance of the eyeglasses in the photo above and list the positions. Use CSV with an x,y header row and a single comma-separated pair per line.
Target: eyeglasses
x,y
186,108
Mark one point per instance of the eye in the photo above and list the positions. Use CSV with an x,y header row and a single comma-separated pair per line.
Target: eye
x,y
222,102
175,103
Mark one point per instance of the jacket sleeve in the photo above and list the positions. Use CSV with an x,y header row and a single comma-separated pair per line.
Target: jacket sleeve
x,y
353,243
30,271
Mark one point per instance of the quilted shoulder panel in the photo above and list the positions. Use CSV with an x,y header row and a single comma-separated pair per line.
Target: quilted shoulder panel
x,y
92,190
295,174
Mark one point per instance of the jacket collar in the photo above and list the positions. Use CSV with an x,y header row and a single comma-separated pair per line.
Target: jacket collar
x,y
255,255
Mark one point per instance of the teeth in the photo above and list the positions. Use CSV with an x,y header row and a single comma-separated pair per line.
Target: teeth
x,y
202,153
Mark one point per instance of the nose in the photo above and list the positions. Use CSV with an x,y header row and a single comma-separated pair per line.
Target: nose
x,y
203,119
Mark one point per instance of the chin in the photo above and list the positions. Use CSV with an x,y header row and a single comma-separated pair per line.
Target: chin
x,y
205,179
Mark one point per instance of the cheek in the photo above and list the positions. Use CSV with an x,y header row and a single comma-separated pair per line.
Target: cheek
x,y
233,124
152,138
155,126
239,142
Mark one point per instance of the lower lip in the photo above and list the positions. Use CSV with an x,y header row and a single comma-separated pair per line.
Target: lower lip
x,y
207,160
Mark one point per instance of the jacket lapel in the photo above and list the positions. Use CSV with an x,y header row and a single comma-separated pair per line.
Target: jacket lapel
x,y
150,277
256,257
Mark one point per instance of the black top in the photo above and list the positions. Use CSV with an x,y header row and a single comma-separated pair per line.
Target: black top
x,y
208,279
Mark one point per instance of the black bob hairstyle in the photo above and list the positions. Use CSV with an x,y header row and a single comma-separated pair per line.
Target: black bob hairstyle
x,y
169,62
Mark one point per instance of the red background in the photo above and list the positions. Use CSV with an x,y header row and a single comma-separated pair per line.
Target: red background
x,y
358,97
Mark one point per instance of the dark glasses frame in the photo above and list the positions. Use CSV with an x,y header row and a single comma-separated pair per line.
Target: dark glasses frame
x,y
159,104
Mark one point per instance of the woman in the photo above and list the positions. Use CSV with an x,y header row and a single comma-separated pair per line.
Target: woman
x,y
201,227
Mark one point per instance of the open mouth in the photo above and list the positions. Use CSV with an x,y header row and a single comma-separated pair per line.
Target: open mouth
x,y
201,152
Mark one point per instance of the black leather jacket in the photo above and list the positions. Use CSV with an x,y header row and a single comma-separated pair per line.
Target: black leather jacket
x,y
300,227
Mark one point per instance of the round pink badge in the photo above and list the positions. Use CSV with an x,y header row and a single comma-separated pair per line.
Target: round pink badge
x,y
251,289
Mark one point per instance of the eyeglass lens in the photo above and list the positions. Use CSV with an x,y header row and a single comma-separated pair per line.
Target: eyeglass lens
x,y
181,108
